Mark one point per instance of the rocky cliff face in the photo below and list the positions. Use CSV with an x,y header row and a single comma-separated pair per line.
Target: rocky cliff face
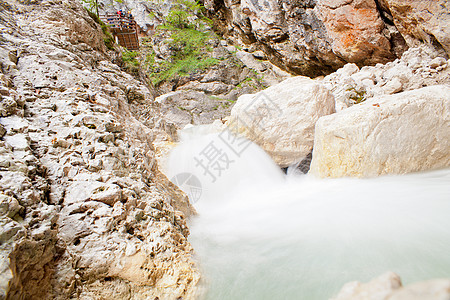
x,y
423,21
84,210
315,37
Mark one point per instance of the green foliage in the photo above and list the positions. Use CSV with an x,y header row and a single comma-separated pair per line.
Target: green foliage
x,y
255,81
180,12
131,62
178,18
188,44
226,103
91,6
130,58
247,80
107,36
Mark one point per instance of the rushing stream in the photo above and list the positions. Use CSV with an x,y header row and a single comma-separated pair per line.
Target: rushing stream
x,y
261,234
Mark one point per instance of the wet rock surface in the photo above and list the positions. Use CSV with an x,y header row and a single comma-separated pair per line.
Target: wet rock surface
x,y
85,212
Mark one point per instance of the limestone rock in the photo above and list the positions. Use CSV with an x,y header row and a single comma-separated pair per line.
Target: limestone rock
x,y
2,130
192,107
422,21
356,30
418,67
310,38
108,194
82,200
436,289
249,61
394,134
281,119
211,88
316,37
393,86
378,289
389,287
9,206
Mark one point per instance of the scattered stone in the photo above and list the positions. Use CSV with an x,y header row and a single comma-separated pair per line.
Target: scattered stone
x,y
436,289
9,206
249,61
351,85
437,62
108,194
393,86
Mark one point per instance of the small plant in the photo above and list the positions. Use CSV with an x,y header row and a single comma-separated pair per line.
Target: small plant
x,y
107,36
245,81
91,6
356,95
187,43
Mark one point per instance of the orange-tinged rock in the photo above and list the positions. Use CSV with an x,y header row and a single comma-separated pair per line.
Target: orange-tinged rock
x,y
355,28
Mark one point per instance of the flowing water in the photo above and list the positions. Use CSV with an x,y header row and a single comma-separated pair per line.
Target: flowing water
x,y
261,234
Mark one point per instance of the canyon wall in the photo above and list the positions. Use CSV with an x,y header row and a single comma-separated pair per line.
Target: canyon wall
x,y
316,37
84,211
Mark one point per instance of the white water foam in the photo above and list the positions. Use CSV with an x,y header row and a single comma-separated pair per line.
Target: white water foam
x,y
263,235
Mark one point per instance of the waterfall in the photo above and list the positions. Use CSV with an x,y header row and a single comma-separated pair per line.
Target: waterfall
x,y
261,234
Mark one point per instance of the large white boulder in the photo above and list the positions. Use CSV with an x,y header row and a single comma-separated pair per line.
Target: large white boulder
x,y
392,134
281,118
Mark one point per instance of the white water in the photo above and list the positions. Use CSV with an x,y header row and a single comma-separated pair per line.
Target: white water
x,y
263,235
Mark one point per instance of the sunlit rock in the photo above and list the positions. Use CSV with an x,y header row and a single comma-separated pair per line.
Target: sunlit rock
x,y
394,134
281,119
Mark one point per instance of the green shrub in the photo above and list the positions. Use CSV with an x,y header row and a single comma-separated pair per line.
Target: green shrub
x,y
180,12
131,63
190,54
183,31
107,36
92,7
